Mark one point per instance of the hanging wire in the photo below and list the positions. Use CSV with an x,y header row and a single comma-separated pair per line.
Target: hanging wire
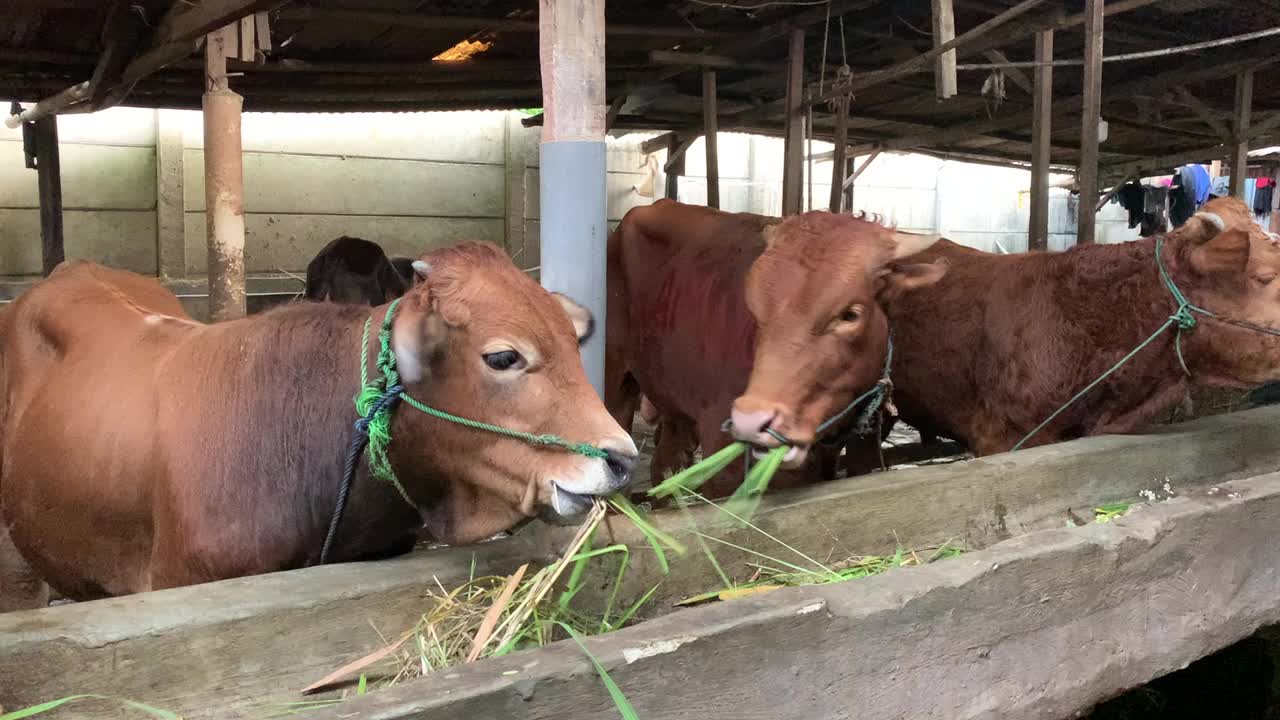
x,y
1128,56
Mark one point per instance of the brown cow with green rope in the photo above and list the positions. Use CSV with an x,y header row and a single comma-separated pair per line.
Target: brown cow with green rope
x,y
140,449
1003,341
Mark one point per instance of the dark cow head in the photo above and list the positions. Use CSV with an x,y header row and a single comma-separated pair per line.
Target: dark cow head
x,y
1226,263
355,271
816,295
477,337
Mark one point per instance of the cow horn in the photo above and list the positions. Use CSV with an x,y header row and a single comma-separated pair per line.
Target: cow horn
x,y
908,244
421,268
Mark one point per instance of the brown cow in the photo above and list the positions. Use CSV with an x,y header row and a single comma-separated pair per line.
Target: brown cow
x,y
1004,340
142,450
687,286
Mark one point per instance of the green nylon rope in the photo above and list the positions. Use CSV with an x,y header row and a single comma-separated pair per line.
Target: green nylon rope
x,y
379,426
1182,318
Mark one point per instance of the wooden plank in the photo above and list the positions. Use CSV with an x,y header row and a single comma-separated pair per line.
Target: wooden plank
x,y
710,128
248,39
49,171
1240,135
1015,75
1205,113
183,26
674,167
919,62
1041,139
793,127
1090,116
706,60
573,83
458,22
262,31
1229,65
849,181
944,31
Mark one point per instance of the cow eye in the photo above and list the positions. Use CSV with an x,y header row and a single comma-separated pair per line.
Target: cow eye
x,y
504,360
1264,278
851,314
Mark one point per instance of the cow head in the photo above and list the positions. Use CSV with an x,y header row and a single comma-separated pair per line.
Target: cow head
x,y
1226,263
478,338
816,293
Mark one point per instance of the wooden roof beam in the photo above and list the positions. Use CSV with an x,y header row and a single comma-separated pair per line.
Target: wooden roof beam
x,y
183,27
305,13
1172,78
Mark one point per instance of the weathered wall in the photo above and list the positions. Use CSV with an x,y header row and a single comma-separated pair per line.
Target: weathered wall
x,y
108,187
133,185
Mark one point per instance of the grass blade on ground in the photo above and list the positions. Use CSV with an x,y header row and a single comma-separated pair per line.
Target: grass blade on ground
x,y
615,693
55,704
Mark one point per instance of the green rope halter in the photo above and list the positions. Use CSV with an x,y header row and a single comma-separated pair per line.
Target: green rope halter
x,y
379,423
1183,318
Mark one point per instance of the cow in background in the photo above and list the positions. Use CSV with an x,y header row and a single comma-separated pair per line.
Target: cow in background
x,y
356,271
691,292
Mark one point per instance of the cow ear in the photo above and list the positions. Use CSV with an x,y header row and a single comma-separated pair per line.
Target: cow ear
x,y
896,279
1228,251
584,325
1201,227
418,335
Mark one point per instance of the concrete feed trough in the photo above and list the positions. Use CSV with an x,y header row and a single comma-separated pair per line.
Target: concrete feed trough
x,y
1042,623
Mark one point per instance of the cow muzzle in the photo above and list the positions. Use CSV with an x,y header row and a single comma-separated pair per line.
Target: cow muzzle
x,y
571,494
762,428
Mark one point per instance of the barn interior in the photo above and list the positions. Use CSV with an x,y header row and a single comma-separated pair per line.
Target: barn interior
x,y
1184,81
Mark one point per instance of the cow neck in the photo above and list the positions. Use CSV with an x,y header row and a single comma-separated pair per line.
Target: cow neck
x,y
1123,282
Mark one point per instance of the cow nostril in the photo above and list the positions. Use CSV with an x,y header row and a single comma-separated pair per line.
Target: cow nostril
x,y
753,423
620,464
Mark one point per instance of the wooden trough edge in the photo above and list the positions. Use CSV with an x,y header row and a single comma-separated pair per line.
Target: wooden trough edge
x,y
218,649
1039,626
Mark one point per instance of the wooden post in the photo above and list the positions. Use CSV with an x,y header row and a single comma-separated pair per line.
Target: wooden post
x,y
1090,117
1240,133
710,126
1041,132
839,154
674,167
49,173
571,36
793,129
944,31
223,179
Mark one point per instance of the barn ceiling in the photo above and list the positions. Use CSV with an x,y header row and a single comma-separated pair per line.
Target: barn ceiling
x,y
348,55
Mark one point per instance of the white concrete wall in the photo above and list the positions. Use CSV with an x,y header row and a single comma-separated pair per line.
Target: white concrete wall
x,y
975,205
134,193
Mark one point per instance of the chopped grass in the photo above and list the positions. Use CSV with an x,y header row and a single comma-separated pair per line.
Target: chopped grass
x,y
1107,513
55,704
492,616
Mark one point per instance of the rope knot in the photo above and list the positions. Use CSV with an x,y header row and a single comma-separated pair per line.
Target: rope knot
x,y
1184,318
